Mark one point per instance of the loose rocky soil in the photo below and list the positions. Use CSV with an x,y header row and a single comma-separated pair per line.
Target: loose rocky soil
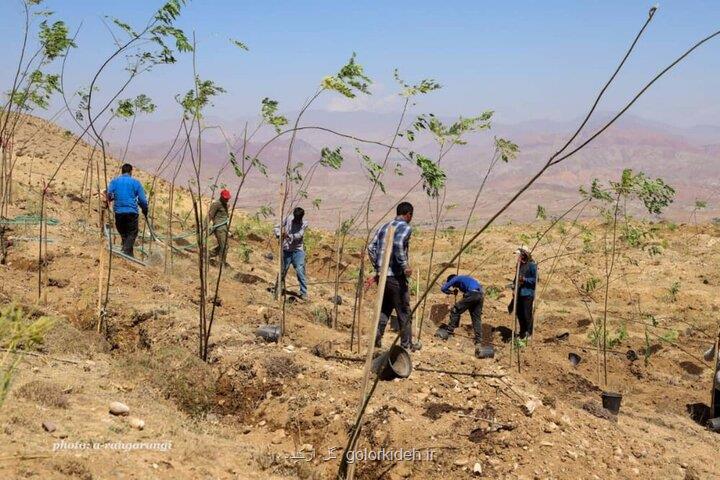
x,y
271,411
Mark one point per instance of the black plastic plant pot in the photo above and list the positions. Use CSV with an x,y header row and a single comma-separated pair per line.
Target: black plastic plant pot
x,y
714,424
269,333
393,364
485,351
574,358
611,401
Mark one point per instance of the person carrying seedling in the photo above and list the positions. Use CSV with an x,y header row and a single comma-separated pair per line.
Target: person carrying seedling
x,y
527,277
293,250
126,193
218,218
397,292
472,300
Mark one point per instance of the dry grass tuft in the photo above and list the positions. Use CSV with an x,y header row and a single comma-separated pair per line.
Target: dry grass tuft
x,y
45,393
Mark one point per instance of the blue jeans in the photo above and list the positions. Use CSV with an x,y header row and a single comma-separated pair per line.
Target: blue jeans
x,y
296,258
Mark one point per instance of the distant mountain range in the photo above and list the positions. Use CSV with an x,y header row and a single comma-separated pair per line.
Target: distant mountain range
x,y
687,158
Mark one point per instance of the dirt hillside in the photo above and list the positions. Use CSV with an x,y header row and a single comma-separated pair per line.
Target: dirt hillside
x,y
261,410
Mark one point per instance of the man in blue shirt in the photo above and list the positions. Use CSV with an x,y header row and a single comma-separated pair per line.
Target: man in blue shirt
x,y
397,294
126,193
528,275
472,300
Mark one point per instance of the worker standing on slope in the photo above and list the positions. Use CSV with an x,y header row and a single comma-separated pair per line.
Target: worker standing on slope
x,y
126,193
472,300
397,293
293,249
218,219
527,280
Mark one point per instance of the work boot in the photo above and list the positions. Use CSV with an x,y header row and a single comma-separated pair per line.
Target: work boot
x,y
484,351
442,333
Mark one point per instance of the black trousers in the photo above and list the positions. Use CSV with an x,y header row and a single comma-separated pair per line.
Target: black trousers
x,y
127,227
396,297
472,301
525,314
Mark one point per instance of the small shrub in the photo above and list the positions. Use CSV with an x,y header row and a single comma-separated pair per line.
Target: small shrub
x,y
587,239
670,336
244,250
612,340
18,331
673,291
312,240
590,285
322,316
492,292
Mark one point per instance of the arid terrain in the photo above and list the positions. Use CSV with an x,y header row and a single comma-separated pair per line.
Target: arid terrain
x,y
261,410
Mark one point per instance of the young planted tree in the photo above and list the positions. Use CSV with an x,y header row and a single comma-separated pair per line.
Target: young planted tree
x,y
433,177
654,196
375,173
32,87
194,102
349,82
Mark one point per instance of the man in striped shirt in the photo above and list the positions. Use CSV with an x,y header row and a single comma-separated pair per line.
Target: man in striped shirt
x,y
397,294
293,251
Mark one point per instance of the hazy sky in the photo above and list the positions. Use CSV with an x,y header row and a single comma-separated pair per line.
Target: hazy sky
x,y
524,59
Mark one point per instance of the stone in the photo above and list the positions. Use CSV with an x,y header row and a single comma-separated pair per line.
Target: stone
x,y
278,436
477,468
461,462
403,470
531,405
549,427
49,426
119,408
137,423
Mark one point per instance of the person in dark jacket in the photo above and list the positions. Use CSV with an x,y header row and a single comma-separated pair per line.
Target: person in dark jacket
x,y
126,193
218,217
397,293
472,301
527,278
